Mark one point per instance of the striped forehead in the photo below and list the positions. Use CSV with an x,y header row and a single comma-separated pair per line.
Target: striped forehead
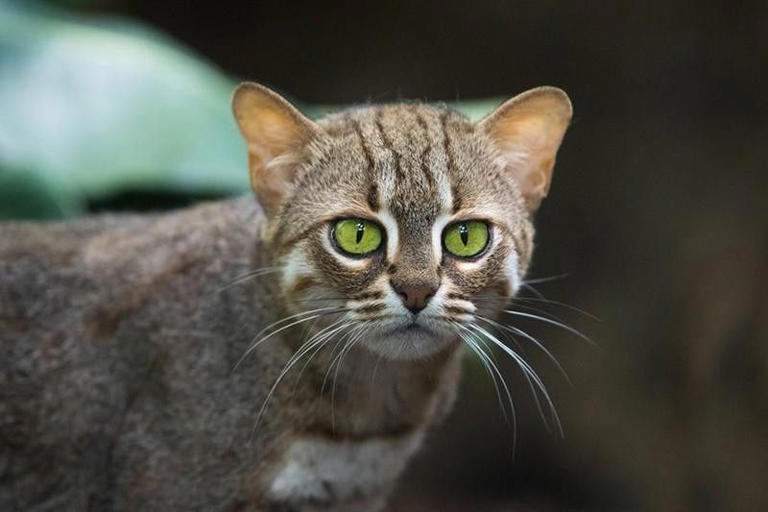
x,y
409,157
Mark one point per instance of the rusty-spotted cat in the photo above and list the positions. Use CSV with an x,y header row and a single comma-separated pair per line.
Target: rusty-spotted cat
x,y
287,353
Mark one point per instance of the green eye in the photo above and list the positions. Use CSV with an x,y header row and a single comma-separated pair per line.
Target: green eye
x,y
466,239
357,236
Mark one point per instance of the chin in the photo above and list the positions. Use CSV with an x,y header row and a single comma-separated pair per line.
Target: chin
x,y
412,341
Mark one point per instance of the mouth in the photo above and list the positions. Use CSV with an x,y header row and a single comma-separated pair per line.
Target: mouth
x,y
415,325
410,338
410,327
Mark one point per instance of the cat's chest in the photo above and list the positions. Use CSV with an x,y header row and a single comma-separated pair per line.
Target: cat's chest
x,y
341,474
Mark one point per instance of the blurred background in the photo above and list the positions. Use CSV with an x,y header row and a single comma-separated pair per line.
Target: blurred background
x,y
657,221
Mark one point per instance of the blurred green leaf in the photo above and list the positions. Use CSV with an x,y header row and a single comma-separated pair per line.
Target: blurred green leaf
x,y
93,107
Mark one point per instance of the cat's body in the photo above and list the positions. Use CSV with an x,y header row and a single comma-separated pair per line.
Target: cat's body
x,y
123,395
139,357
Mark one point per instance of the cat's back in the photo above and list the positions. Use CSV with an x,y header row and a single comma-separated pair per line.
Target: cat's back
x,y
84,308
54,273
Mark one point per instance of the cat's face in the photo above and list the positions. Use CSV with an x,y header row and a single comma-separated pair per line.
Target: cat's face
x,y
400,224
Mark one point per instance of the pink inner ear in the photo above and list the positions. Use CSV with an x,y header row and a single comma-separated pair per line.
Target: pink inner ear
x,y
528,131
271,180
270,134
276,134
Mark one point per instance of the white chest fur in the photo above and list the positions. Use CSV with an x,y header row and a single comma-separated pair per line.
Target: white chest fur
x,y
337,474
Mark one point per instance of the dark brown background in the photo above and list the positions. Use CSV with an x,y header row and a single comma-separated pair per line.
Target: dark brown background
x,y
658,214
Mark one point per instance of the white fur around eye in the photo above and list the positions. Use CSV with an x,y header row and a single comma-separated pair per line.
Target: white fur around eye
x,y
512,271
437,235
387,220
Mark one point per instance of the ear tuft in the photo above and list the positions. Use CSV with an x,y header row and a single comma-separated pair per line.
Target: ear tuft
x,y
527,131
277,135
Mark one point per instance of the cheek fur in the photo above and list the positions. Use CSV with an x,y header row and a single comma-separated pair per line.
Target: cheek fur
x,y
295,268
495,270
437,235
512,271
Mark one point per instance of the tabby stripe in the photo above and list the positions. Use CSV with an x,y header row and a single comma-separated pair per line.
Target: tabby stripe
x,y
364,146
389,146
450,164
424,157
373,197
368,295
373,193
370,308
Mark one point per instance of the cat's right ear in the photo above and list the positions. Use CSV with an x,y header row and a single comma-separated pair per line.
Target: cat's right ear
x,y
527,131
277,135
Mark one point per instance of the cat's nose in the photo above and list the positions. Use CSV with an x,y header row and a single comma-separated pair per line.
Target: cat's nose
x,y
415,298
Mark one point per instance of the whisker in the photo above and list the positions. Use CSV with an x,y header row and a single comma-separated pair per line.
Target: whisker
x,y
546,279
539,383
328,339
317,339
525,369
538,310
485,345
529,374
249,275
252,347
335,356
553,322
558,303
518,299
376,368
533,290
516,330
490,368
353,341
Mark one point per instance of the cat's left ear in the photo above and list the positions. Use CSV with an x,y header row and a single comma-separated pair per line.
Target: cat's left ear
x,y
277,135
527,131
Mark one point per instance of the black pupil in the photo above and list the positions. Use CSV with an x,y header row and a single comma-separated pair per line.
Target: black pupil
x,y
360,232
464,233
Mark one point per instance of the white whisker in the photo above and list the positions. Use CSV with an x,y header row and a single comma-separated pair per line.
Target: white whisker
x,y
493,372
530,375
254,344
307,346
558,303
249,275
357,336
518,331
553,322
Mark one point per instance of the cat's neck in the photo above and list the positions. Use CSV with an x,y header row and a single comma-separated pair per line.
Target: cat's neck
x,y
366,395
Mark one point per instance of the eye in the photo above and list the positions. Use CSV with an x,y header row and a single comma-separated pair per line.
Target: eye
x,y
466,239
356,237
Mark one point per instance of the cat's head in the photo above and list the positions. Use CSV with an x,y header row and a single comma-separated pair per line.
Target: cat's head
x,y
411,219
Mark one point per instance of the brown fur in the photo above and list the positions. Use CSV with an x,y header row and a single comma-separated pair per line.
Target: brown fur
x,y
120,333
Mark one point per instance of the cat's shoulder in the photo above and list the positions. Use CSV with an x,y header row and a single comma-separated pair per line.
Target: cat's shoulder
x,y
82,263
